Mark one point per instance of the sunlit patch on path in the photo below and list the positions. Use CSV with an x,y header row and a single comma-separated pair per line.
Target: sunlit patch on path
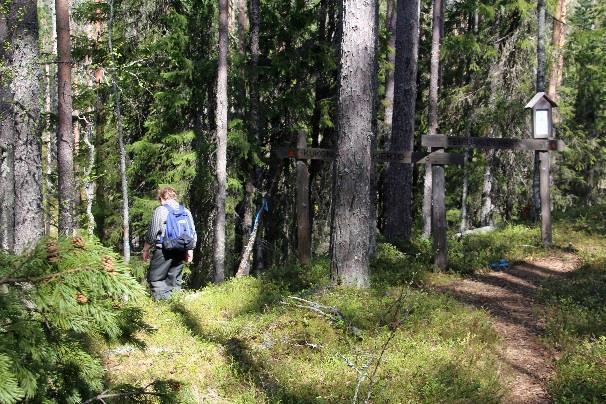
x,y
509,296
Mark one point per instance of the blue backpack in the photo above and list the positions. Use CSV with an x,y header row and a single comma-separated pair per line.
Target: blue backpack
x,y
179,234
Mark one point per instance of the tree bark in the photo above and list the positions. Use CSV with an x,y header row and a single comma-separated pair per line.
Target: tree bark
x,y
255,52
540,86
221,135
391,62
121,147
65,140
352,167
25,89
464,215
398,182
487,206
242,25
558,40
7,143
434,78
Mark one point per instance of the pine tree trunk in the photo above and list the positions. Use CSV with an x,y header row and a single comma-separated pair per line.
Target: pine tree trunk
x,y
7,152
255,24
391,61
464,215
558,39
434,78
398,203
65,140
221,123
242,25
352,167
121,147
25,89
540,86
487,206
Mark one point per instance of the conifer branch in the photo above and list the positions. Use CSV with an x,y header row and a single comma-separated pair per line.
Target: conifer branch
x,y
37,279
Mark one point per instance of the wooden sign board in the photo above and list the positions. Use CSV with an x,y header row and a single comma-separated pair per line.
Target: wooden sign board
x,y
493,143
383,156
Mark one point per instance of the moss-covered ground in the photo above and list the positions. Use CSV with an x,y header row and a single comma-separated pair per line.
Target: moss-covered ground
x,y
288,336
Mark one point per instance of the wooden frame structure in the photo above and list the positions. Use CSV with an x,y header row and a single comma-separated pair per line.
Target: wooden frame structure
x,y
543,143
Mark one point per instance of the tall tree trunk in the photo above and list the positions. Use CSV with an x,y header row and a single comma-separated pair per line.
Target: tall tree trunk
x,y
221,123
47,139
65,140
352,167
25,89
120,131
487,206
7,143
398,181
255,52
434,78
391,61
242,25
558,39
464,215
540,86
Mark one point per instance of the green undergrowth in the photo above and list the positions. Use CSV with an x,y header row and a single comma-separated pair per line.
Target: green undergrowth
x,y
575,314
297,339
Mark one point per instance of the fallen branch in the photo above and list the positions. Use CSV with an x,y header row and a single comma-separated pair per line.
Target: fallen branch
x,y
143,391
332,313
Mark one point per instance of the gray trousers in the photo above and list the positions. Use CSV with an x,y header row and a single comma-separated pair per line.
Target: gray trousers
x,y
165,272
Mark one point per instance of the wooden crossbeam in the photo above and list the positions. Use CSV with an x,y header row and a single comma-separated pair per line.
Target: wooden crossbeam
x,y
383,156
493,143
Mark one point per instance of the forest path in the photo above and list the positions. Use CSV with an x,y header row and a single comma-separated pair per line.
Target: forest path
x,y
509,297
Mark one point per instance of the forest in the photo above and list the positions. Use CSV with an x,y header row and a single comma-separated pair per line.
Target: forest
x,y
386,201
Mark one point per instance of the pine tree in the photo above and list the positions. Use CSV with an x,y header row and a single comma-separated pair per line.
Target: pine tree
x,y
352,204
53,300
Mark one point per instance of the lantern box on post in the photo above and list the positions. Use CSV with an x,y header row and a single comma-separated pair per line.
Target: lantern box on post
x,y
542,116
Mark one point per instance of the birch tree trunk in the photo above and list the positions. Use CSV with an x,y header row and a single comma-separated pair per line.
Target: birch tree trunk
x,y
398,203
25,90
120,132
221,123
352,167
434,78
65,140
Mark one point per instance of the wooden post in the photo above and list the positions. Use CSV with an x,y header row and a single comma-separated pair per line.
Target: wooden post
x,y
545,199
303,227
438,217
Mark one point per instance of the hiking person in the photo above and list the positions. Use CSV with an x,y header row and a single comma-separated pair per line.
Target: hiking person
x,y
169,242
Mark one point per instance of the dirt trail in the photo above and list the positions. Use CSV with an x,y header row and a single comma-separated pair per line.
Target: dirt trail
x,y
509,297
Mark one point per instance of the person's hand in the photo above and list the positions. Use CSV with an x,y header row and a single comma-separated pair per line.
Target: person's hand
x,y
190,256
145,253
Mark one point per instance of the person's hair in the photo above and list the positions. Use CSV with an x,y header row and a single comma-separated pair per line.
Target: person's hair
x,y
167,193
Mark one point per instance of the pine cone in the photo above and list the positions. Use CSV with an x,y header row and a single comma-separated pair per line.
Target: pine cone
x,y
78,242
81,298
108,264
52,251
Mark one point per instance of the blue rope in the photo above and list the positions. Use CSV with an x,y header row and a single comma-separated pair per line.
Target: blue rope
x,y
264,207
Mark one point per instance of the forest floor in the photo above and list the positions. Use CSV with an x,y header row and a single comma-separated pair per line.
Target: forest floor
x,y
510,298
531,333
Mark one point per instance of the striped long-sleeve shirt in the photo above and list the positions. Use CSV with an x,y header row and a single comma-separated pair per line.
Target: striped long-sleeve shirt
x,y
157,228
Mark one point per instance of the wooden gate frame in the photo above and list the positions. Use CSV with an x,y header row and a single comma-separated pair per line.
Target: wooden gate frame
x,y
438,143
436,160
301,153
